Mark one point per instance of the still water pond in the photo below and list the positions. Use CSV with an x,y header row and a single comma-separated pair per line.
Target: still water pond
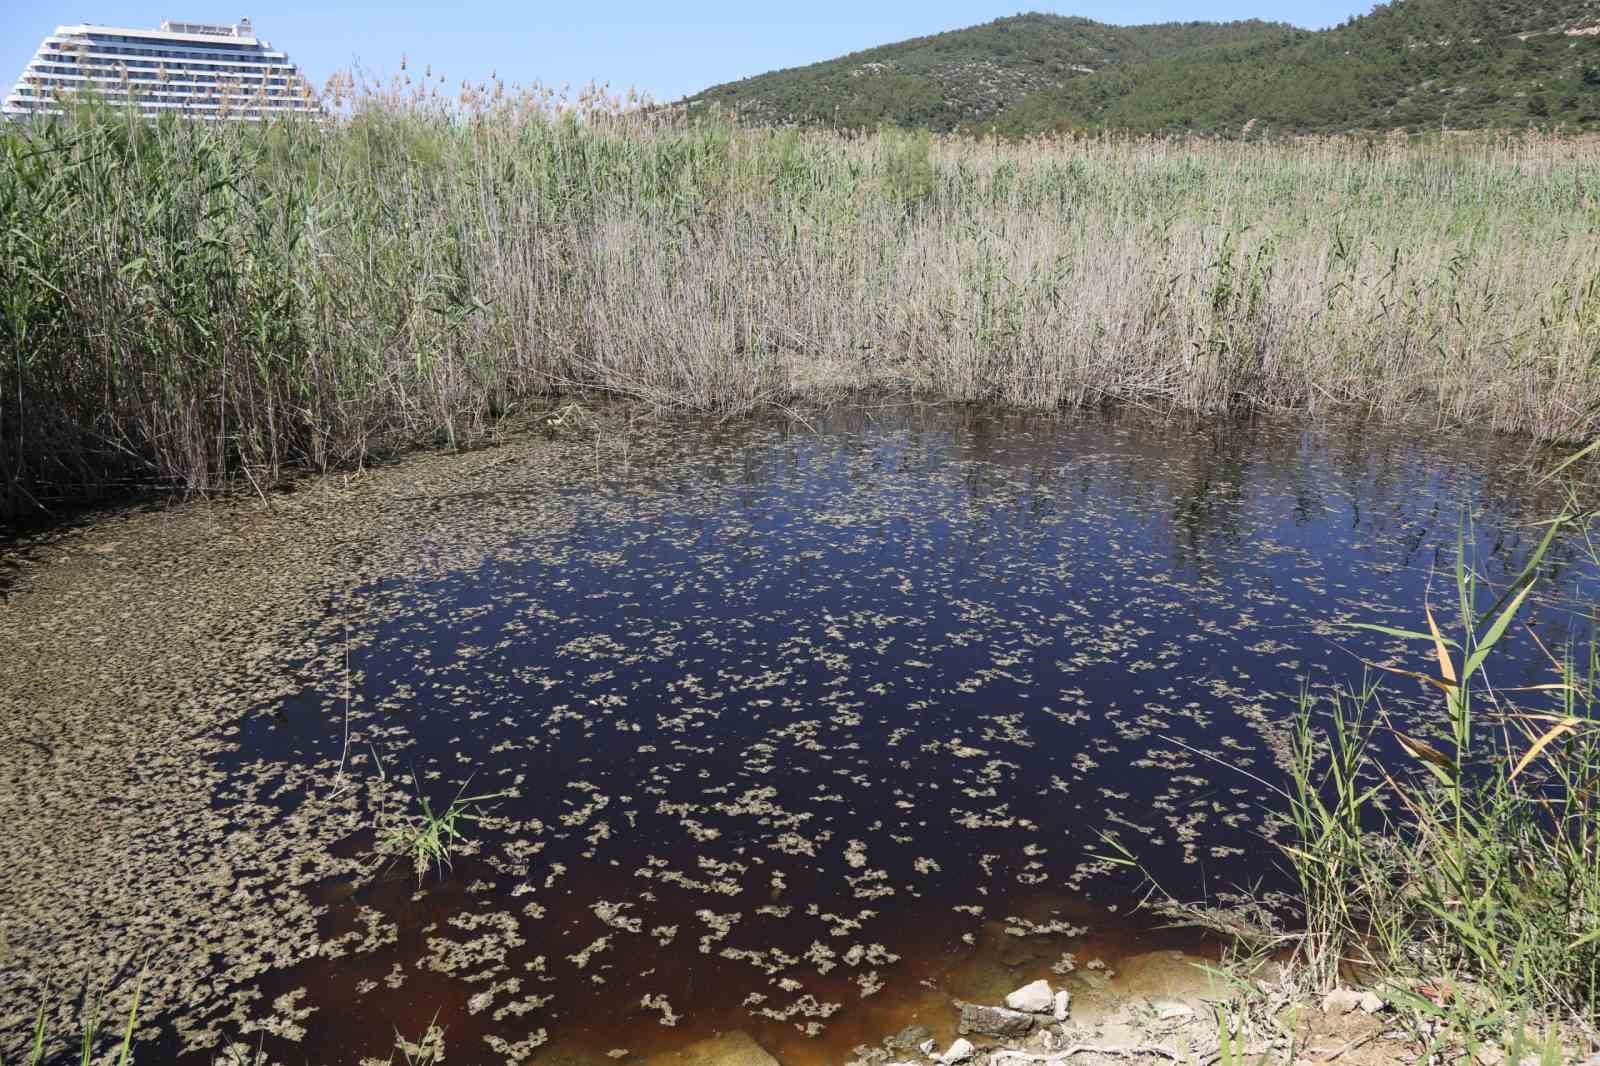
x,y
803,729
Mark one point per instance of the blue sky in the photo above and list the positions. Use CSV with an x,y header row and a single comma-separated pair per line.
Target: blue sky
x,y
667,49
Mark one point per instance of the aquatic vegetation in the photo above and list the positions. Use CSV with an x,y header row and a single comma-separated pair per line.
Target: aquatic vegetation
x,y
90,1050
213,306
427,1050
796,726
428,837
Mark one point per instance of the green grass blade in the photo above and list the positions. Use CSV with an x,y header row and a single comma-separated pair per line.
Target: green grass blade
x,y
133,1017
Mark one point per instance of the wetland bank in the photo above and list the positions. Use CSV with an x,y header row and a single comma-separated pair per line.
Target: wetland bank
x,y
795,726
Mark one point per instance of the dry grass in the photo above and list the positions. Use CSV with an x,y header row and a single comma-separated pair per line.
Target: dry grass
x,y
210,304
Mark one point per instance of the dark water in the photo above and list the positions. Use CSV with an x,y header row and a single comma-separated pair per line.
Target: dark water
x,y
785,714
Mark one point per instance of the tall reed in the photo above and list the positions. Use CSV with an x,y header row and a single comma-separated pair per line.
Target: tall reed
x,y
209,303
1462,874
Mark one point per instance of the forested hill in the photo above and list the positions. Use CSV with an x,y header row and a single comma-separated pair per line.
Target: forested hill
x,y
1416,64
968,75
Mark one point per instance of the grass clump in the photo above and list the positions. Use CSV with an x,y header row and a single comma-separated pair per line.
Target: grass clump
x,y
89,1045
1458,874
1451,866
430,838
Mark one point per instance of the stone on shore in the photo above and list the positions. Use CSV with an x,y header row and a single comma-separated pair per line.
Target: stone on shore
x,y
1034,998
1341,1001
909,1038
1171,1010
994,1021
960,1051
1062,1005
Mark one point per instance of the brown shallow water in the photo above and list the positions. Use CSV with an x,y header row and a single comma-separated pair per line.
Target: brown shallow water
x,y
796,728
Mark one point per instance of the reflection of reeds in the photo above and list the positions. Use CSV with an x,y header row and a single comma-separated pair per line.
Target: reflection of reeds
x,y
201,301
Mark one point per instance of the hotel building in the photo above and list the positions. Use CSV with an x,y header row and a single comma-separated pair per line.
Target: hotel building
x,y
191,68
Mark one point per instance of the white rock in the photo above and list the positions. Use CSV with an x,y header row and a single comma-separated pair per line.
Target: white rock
x,y
1035,998
928,1047
1371,1002
1062,1005
1341,1001
960,1051
1171,1010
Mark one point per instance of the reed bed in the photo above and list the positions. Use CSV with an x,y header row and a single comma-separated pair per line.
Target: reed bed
x,y
211,304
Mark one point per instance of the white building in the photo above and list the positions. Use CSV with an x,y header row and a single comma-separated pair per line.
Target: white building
x,y
194,68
